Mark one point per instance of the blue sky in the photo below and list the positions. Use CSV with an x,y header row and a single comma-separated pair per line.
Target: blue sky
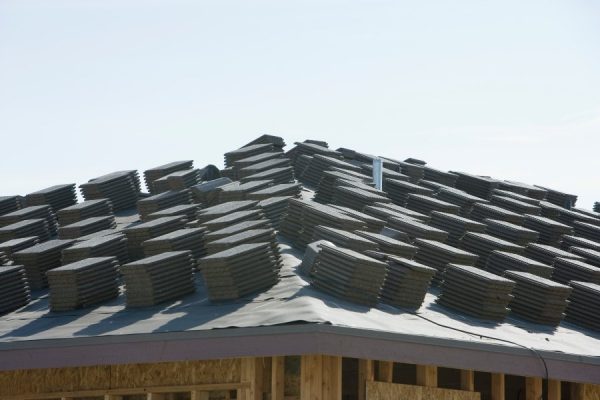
x,y
508,89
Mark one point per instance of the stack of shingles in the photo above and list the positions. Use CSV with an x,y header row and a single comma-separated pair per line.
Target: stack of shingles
x,y
274,209
162,201
189,211
276,141
483,244
482,211
480,186
14,289
303,153
301,165
550,210
177,180
330,179
425,205
455,225
223,209
263,166
207,193
283,189
387,210
476,292
524,189
567,269
390,246
343,238
398,191
9,204
569,217
39,259
158,278
366,179
81,211
511,232
138,234
192,239
546,254
256,159
235,229
550,231
559,198
516,196
587,212
277,175
500,261
233,218
438,255
86,227
10,247
413,171
584,305
152,174
349,275
569,241
244,152
461,198
517,206
30,227
415,161
591,256
435,186
443,177
415,229
239,271
406,283
57,197
83,283
122,188
31,212
102,246
538,299
264,235
367,169
236,191
587,231
372,224
356,198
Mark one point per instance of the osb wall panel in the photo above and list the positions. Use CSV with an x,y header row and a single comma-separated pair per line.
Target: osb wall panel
x,y
118,376
393,391
592,392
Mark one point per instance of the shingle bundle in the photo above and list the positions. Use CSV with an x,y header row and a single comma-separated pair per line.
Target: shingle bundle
x,y
81,211
86,227
483,244
343,238
152,174
233,218
283,189
349,275
546,254
482,211
236,228
122,188
550,231
256,159
569,217
398,191
584,305
57,197
524,189
567,269
244,152
31,212
301,165
106,232
538,299
223,209
386,173
39,259
311,149
159,278
359,176
330,179
356,198
480,186
264,235
569,241
425,204
559,198
587,231
516,196
550,210
177,180
162,201
277,175
83,283
9,204
402,211
500,261
511,232
372,224
263,166
192,239
102,246
138,234
190,211
416,229
239,271
390,245
443,177
14,289
438,255
276,141
30,227
9,247
309,259
460,198
413,171
274,209
517,206
455,225
435,186
237,191
591,256
406,283
207,193
476,292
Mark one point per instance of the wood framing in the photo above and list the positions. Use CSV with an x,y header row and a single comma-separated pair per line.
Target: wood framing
x,y
277,378
366,373
385,371
554,389
467,379
427,375
498,387
252,373
311,377
533,388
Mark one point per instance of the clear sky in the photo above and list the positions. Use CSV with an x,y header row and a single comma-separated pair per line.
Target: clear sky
x,y
509,89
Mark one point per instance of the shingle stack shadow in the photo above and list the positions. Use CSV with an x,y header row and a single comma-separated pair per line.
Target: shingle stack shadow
x,y
244,152
163,201
122,188
500,261
301,165
546,254
559,198
159,278
349,275
587,231
438,255
10,247
483,244
31,212
569,241
283,189
192,239
443,177
455,225
239,271
342,238
86,227
390,246
591,256
57,197
84,210
584,305
83,283
152,174
416,229
9,204
30,227
398,191
237,191
537,299
475,292
425,205
524,189
14,289
551,232
207,193
136,235
102,246
482,211
373,224
511,232
355,198
514,205
190,211
235,229
567,269
406,283
39,259
274,209
460,198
